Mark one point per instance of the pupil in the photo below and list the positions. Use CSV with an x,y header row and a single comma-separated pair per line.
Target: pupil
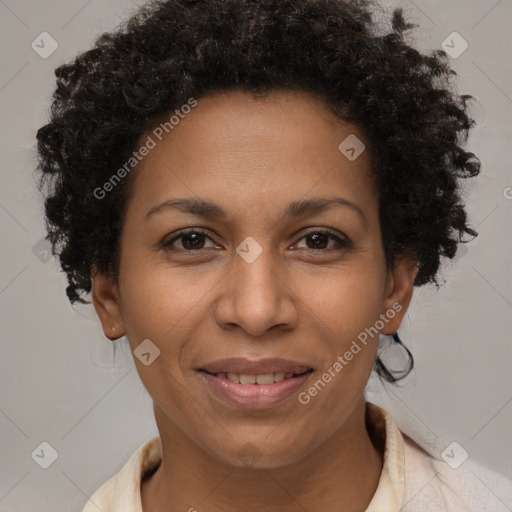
x,y
196,239
318,238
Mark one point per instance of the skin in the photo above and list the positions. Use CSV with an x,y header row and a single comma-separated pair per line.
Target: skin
x,y
295,301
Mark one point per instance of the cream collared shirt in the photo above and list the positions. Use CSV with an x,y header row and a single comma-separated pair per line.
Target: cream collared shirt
x,y
411,480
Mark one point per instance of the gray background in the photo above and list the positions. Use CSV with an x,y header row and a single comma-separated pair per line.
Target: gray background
x,y
61,382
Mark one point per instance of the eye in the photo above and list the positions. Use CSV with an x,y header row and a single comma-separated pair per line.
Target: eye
x,y
316,241
319,240
191,240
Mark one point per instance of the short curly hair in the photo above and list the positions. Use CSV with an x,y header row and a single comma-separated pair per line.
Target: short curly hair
x,y
170,51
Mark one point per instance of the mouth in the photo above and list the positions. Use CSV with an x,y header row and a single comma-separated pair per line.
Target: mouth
x,y
256,379
254,384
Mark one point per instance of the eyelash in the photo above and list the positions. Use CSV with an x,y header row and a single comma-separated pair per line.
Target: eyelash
x,y
343,243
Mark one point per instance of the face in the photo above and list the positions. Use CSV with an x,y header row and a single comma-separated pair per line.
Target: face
x,y
280,279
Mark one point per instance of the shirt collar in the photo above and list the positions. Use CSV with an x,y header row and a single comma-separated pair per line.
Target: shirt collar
x,y
390,490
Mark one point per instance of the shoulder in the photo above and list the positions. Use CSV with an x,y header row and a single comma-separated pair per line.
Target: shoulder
x,y
456,484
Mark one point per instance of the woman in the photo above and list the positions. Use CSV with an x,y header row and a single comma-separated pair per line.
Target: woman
x,y
250,191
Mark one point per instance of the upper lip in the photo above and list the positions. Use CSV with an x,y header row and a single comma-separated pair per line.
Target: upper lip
x,y
251,367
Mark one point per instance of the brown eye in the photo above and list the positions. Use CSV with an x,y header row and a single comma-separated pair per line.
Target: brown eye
x,y
319,240
192,240
316,241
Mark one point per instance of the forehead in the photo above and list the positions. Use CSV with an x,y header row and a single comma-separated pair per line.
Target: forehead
x,y
247,151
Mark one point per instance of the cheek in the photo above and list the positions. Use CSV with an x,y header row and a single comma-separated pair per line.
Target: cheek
x,y
159,301
345,303
345,311
161,305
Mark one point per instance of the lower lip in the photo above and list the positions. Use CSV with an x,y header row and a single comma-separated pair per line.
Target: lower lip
x,y
255,396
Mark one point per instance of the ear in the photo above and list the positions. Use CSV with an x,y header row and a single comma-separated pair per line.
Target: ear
x,y
105,298
400,285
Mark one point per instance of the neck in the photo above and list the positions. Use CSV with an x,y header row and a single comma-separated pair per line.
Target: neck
x,y
340,474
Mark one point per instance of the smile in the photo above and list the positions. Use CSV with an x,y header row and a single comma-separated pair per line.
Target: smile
x,y
264,378
256,390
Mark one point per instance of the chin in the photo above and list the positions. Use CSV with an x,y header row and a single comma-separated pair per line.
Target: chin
x,y
251,453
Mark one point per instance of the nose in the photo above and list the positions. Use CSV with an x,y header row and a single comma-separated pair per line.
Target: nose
x,y
257,295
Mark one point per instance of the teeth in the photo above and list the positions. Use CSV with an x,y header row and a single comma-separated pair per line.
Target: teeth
x,y
247,379
266,378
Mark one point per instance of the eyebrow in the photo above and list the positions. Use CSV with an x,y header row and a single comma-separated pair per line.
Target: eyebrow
x,y
209,210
